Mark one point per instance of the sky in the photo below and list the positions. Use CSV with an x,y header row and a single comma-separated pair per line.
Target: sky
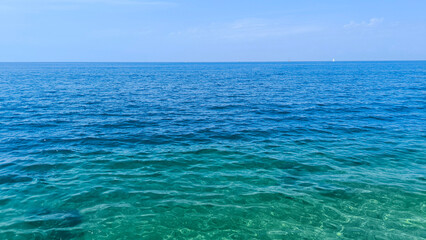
x,y
211,30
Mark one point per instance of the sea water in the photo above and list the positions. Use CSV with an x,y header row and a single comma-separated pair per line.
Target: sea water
x,y
308,150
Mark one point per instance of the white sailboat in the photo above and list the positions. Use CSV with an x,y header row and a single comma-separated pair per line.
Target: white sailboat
x,y
334,60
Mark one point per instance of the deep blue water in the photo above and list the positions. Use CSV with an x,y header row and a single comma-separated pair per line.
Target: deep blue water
x,y
213,150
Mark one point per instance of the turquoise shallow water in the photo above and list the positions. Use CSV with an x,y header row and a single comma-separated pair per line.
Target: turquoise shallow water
x,y
213,151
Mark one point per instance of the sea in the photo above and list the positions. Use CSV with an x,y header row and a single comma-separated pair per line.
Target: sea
x,y
280,150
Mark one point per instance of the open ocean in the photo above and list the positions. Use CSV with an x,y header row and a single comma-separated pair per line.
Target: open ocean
x,y
306,150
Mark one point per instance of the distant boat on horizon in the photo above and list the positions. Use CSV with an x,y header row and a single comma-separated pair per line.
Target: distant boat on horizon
x,y
334,60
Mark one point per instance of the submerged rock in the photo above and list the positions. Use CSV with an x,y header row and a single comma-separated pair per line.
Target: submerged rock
x,y
55,223
54,218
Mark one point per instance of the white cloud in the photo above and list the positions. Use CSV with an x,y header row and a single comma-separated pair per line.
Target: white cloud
x,y
373,22
248,29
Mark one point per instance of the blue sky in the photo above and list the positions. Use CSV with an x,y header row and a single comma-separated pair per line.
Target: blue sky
x,y
211,30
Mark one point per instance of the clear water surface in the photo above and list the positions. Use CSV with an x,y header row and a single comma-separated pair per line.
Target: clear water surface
x,y
213,151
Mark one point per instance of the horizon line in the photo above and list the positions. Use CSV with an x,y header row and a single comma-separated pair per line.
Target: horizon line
x,y
283,61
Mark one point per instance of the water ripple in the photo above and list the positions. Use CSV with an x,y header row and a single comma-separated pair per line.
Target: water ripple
x,y
213,151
